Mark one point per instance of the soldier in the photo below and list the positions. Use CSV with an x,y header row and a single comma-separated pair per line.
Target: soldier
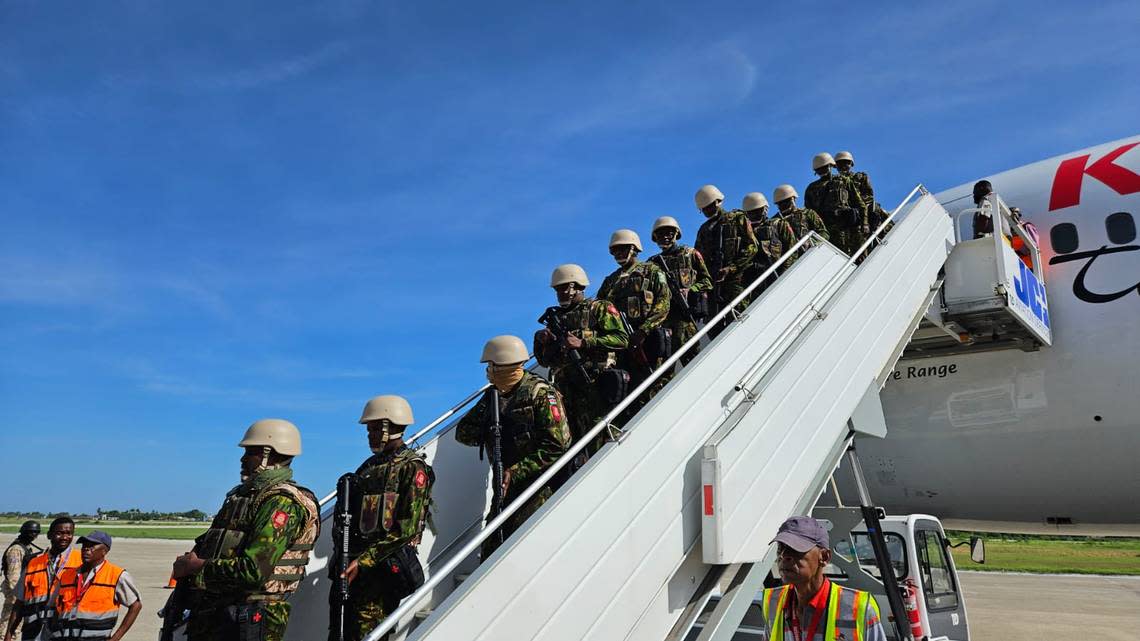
x,y
802,220
533,431
393,490
689,281
773,235
640,291
726,241
582,356
838,203
34,608
254,554
845,162
16,557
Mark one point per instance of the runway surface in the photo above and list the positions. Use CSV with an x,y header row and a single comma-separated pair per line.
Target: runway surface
x,y
1001,607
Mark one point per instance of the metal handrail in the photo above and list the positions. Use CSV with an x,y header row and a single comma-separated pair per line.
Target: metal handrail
x,y
413,600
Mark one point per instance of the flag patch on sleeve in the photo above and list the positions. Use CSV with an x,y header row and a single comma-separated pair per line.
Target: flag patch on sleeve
x,y
420,479
280,519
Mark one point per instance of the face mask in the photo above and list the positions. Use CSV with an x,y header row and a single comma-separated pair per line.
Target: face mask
x,y
504,377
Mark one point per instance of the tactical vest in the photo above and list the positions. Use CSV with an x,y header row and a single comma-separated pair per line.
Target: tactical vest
x,y
517,418
91,615
29,552
40,587
722,238
770,245
797,218
628,291
580,320
679,263
835,195
846,613
378,486
232,525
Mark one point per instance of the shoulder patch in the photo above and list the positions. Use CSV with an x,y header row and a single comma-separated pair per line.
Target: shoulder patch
x,y
555,411
611,309
280,518
420,479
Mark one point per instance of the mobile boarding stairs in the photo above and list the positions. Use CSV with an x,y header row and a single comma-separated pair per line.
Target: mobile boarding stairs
x,y
685,501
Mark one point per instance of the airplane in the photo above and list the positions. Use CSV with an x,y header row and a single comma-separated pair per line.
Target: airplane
x,y
1045,441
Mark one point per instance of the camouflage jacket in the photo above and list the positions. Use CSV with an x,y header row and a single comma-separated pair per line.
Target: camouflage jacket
x,y
726,240
535,432
862,184
774,236
802,221
395,503
833,192
641,292
598,323
686,267
259,542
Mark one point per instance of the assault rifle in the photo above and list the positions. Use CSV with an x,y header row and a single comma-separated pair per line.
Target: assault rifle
x,y
552,319
495,430
345,488
677,293
176,611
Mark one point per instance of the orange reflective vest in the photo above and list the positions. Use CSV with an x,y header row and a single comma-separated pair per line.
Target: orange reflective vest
x,y
847,613
87,610
40,587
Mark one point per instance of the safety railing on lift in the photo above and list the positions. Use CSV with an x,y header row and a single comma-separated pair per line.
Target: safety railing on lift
x,y
413,600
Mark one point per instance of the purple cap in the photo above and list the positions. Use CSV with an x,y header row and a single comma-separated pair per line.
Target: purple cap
x,y
96,536
802,533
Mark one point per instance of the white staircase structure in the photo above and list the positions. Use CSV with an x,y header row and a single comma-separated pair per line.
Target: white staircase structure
x,y
685,502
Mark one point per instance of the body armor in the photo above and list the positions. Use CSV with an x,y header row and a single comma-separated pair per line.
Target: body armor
x,y
630,291
580,321
721,239
378,490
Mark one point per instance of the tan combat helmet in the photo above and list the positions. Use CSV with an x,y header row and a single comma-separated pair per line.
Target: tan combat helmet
x,y
754,201
505,350
625,237
822,160
845,155
280,435
784,192
569,273
389,407
666,222
707,195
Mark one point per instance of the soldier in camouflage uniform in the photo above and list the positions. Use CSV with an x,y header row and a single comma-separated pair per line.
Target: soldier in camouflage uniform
x,y
803,221
838,203
595,330
685,267
774,237
393,487
727,243
16,558
535,432
641,293
254,554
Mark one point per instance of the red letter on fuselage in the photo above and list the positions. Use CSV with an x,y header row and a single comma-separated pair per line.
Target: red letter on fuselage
x,y
1071,172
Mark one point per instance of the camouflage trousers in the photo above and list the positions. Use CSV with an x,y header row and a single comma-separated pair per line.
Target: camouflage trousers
x,y
213,624
9,603
368,605
516,520
726,291
847,239
584,408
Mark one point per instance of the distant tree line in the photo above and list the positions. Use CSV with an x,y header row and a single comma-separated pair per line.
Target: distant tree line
x,y
133,514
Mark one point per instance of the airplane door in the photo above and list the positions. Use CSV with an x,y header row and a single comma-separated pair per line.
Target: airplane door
x,y
945,608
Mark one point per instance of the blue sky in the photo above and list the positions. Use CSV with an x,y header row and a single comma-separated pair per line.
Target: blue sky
x,y
214,214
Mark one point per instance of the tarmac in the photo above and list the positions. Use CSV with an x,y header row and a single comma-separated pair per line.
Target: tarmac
x,y
1000,607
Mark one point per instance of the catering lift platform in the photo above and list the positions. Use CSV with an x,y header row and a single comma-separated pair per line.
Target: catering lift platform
x,y
992,293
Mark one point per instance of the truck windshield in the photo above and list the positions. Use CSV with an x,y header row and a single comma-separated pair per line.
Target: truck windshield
x,y
865,553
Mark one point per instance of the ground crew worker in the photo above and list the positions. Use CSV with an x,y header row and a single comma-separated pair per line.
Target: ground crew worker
x,y
801,219
726,241
838,203
35,595
254,554
640,291
774,236
845,163
593,330
89,597
689,282
394,490
809,606
17,555
534,430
